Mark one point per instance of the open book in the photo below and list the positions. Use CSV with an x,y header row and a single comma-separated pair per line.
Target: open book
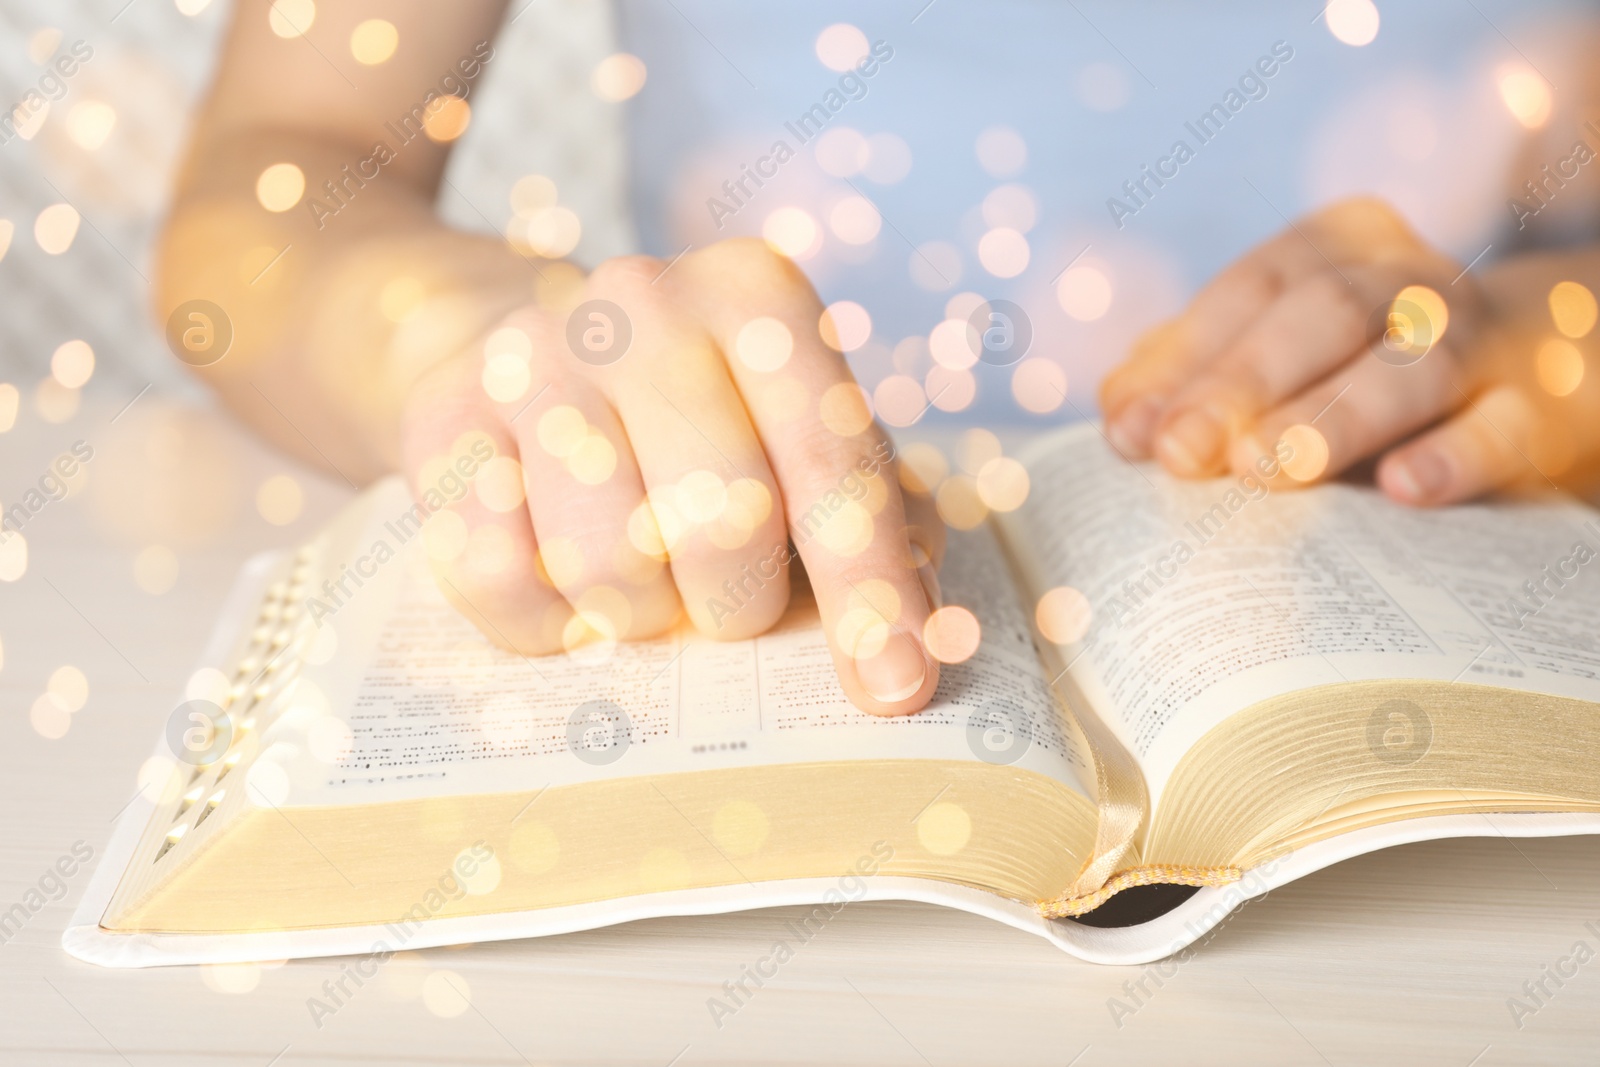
x,y
1268,682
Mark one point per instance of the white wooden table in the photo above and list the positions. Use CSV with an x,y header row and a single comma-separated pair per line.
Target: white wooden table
x,y
1409,956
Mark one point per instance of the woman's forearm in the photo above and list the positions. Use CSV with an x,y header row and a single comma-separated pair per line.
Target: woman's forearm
x,y
338,303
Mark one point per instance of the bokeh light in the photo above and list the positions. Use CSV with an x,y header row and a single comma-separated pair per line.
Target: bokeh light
x,y
845,409
28,123
55,228
944,828
231,978
1012,206
8,229
962,305
1526,95
68,688
500,485
280,187
54,402
1559,367
562,560
43,44
845,326
1003,484
618,77
1084,293
13,556
561,430
952,634
954,344
279,499
552,232
1001,151
10,402
959,504
1573,308
372,42
508,341
899,400
847,532
1039,385
72,364
90,122
1063,615
861,631
950,390
291,18
446,119
446,994
1433,308
532,193
329,739
922,467
48,719
1003,252
977,448
841,46
506,377
701,496
764,344
792,232
855,220
1352,22
594,460
1308,452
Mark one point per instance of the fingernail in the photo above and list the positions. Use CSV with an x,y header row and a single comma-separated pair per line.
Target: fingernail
x,y
1130,431
1420,475
1191,443
895,673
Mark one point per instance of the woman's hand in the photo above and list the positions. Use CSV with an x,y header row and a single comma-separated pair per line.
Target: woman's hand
x,y
1345,338
655,445
704,383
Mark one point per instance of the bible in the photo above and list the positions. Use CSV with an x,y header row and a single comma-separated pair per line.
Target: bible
x,y
1181,695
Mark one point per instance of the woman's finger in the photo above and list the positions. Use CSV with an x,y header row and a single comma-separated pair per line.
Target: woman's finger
x,y
1325,319
1134,396
714,499
484,557
587,500
841,497
1493,442
1351,415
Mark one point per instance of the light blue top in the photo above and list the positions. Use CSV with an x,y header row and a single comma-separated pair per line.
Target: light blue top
x,y
1098,92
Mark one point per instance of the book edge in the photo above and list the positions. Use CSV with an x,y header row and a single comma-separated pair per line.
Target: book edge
x,y
1171,933
236,611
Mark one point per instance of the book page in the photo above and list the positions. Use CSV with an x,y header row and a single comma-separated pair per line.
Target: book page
x,y
1210,596
434,709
